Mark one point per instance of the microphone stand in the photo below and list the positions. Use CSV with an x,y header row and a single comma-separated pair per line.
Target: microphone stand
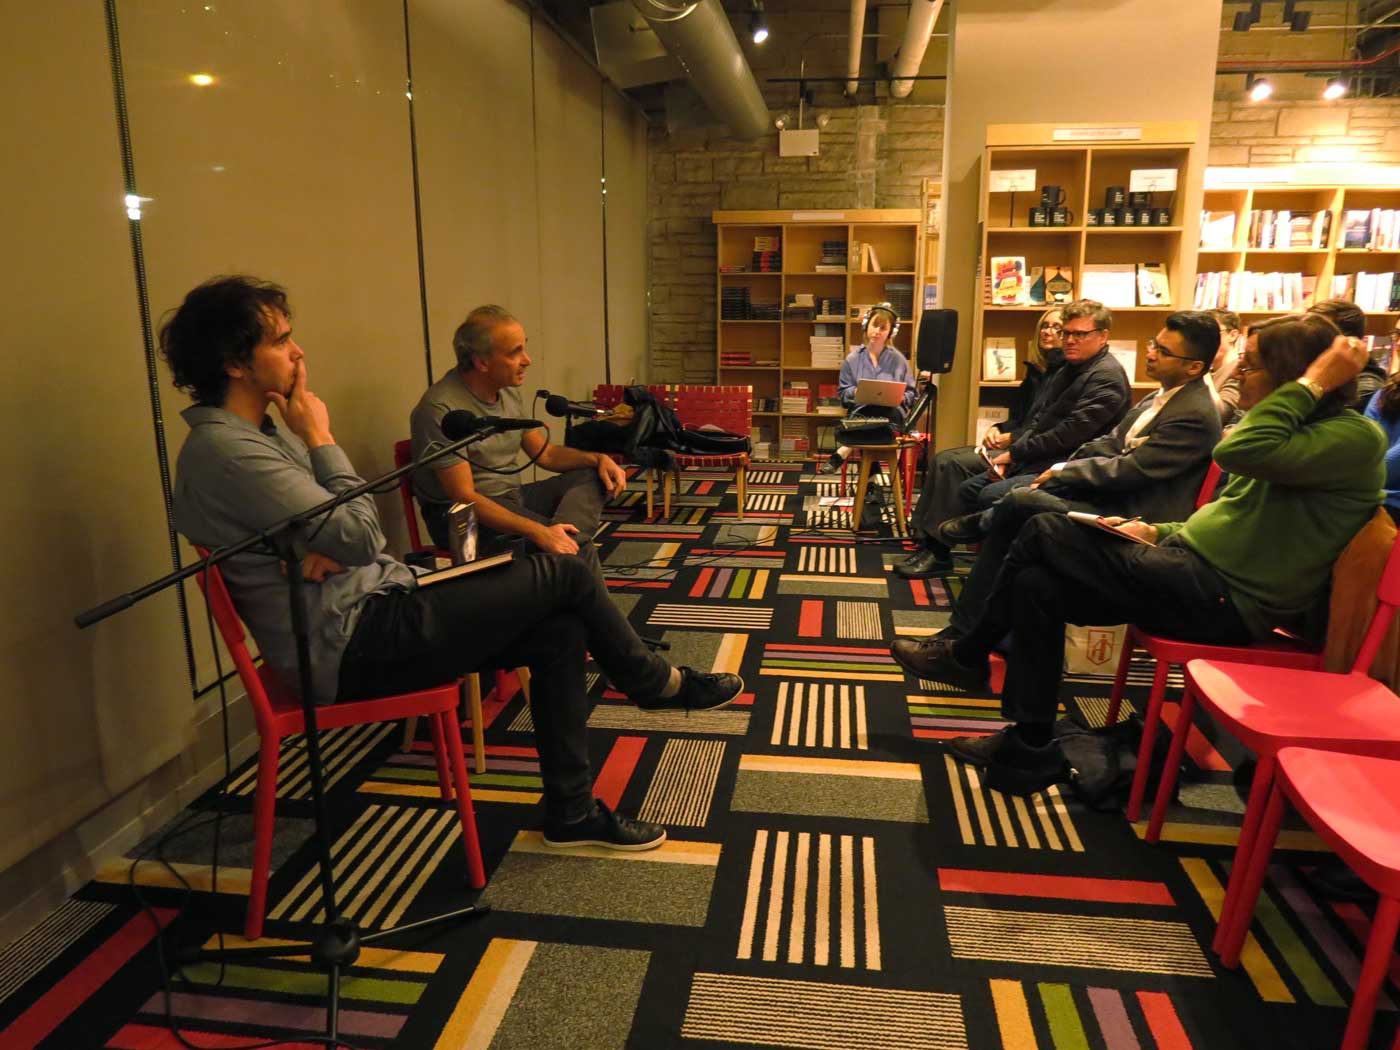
x,y
335,944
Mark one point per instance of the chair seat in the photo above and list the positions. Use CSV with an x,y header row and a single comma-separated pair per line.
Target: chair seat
x,y
1353,802
289,718
728,459
1279,647
1272,707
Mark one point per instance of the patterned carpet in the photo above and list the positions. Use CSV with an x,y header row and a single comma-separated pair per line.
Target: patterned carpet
x,y
832,880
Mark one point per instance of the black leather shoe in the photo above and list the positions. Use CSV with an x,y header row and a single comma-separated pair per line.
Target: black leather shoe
x,y
933,658
976,750
1017,768
922,564
966,529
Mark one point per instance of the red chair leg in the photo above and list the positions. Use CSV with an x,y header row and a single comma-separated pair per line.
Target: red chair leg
x,y
1373,974
1245,884
440,757
1167,785
1231,916
501,683
1151,723
264,813
844,462
1120,680
476,869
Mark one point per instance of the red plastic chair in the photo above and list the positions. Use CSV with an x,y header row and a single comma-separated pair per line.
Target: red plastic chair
x,y
1270,708
278,714
1353,803
727,407
471,683
1285,652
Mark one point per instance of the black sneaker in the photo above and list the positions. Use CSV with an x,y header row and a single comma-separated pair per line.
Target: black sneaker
x,y
1017,768
607,829
699,692
964,529
976,750
922,564
933,658
832,464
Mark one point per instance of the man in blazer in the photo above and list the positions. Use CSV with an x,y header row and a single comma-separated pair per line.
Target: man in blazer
x,y
1082,400
1150,466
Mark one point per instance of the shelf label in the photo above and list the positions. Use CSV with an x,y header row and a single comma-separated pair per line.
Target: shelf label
x,y
803,216
1151,180
1012,181
1097,134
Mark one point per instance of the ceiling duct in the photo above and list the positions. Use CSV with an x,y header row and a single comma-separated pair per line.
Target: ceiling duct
x,y
699,36
853,48
917,31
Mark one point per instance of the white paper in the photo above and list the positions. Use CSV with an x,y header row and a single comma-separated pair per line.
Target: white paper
x,y
1113,284
1151,180
1016,180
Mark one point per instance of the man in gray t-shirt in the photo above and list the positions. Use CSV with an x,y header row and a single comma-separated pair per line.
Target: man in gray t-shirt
x,y
557,515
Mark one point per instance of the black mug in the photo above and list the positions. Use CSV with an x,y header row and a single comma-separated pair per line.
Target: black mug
x,y
1052,196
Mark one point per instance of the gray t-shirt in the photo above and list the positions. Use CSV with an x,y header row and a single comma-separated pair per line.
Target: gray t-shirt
x,y
497,452
233,478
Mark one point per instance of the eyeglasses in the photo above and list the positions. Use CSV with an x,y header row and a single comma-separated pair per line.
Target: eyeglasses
x,y
1052,326
1161,351
1244,368
1079,333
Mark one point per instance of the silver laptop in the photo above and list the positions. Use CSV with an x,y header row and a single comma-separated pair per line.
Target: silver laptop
x,y
883,392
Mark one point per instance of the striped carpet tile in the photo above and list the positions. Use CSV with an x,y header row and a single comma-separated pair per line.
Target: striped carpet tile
x,y
683,787
512,775
820,715
859,620
771,477
764,501
827,560
1083,1017
60,929
341,750
745,583
628,718
734,558
857,663
381,864
1097,942
714,617
767,1011
830,914
991,818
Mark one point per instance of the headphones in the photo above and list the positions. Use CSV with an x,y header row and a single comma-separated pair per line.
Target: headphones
x,y
884,308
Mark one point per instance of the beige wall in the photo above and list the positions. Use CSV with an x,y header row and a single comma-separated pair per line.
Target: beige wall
x,y
998,48
296,165
1348,131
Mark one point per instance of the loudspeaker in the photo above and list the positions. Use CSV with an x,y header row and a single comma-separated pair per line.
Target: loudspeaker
x,y
938,336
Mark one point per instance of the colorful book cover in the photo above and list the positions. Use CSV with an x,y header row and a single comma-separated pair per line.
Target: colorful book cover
x,y
1009,286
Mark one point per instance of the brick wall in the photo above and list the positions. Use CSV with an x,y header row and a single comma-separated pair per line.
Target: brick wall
x,y
1255,134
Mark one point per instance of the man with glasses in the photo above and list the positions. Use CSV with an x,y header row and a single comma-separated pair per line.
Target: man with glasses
x,y
1150,466
1086,397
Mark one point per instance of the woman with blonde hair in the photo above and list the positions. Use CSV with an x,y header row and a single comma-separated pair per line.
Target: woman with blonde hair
x,y
1044,357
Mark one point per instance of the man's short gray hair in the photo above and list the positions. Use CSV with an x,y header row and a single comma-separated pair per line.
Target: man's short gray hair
x,y
1094,310
473,336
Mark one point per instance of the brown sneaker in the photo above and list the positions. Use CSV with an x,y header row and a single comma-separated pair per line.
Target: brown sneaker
x,y
933,658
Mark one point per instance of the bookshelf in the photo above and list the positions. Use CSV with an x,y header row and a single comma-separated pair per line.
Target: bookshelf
x,y
1084,167
767,260
1246,193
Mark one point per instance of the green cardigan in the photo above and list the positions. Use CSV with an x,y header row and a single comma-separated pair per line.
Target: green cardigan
x,y
1299,489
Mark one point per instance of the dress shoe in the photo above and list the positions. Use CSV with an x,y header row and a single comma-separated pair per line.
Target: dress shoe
x,y
832,464
976,750
965,529
922,564
932,658
1019,768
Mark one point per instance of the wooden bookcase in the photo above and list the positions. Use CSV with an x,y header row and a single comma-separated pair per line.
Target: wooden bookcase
x,y
780,348
1244,190
1084,169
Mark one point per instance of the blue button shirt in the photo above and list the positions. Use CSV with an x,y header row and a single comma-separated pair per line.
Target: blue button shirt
x,y
892,367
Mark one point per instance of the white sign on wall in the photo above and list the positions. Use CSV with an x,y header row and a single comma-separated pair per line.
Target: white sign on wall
x,y
1097,134
1152,180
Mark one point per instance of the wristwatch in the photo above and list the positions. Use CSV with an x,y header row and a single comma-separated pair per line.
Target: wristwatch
x,y
1312,386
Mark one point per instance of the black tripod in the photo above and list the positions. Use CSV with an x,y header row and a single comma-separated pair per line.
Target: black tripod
x,y
334,944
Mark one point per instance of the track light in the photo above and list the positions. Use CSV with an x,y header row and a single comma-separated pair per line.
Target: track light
x,y
1242,22
758,24
1258,88
1335,89
781,121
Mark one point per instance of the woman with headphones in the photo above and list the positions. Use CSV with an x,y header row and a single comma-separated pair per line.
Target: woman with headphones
x,y
875,359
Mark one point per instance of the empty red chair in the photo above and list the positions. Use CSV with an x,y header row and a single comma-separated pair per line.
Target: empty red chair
x,y
278,714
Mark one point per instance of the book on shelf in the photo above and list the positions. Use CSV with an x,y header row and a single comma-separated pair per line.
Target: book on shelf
x,y
1125,352
1153,285
1377,229
1375,292
869,258
1059,284
1035,286
1009,280
1113,284
1289,228
1217,230
1356,228
989,416
1250,292
931,294
998,359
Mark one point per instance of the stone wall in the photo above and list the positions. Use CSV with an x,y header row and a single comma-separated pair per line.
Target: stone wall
x,y
1254,134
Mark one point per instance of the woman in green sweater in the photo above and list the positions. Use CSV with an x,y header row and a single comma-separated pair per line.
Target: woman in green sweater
x,y
1306,473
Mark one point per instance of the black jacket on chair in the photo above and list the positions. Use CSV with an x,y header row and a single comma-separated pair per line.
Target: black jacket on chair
x,y
1078,403
1159,478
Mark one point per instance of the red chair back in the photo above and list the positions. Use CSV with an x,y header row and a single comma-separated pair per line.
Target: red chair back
x,y
403,456
259,682
609,395
727,407
1387,598
1208,483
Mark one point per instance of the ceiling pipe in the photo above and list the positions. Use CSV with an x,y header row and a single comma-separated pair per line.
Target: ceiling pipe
x,y
922,15
1301,65
853,48
699,36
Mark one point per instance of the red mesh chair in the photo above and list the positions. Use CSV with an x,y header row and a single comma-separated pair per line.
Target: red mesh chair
x,y
471,684
609,395
1269,708
728,407
277,713
1353,803
1285,652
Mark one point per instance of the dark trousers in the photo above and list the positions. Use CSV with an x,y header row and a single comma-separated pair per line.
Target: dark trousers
x,y
544,612
574,497
1060,572
952,484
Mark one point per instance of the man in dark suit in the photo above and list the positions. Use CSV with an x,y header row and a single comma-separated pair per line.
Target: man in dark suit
x,y
1150,466
1082,400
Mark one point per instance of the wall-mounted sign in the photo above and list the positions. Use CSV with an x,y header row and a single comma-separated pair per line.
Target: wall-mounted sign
x,y
1097,134
808,216
1016,180
1151,180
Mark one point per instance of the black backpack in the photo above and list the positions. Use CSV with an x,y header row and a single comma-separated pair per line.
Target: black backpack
x,y
1103,760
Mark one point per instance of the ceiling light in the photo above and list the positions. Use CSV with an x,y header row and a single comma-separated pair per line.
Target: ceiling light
x,y
781,121
201,79
1258,88
1336,88
758,25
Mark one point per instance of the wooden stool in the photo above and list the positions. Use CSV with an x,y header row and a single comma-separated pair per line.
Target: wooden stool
x,y
888,455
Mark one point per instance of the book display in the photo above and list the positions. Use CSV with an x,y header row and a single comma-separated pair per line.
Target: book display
x,y
792,290
1105,225
1296,242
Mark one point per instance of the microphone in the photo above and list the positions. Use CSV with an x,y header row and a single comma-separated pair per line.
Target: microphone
x,y
460,423
558,405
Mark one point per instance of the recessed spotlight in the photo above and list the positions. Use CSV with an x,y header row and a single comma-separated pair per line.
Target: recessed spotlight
x,y
1335,89
1258,88
201,79
758,24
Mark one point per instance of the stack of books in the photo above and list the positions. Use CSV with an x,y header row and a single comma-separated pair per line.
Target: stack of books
x,y
833,258
801,306
830,308
900,295
1249,292
1376,228
794,443
765,404
1289,229
735,358
797,397
734,304
1217,230
762,438
767,255
766,311
1373,292
829,400
828,345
